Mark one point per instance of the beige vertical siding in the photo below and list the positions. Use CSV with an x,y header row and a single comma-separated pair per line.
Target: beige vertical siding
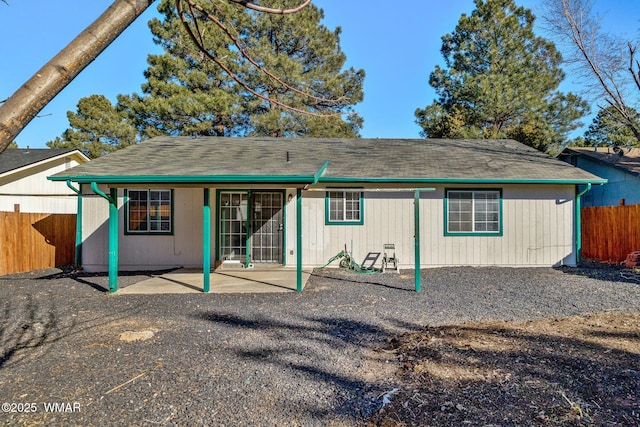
x,y
537,229
182,249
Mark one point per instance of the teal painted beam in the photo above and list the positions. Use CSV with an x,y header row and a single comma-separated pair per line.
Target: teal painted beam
x,y
299,240
578,219
305,179
77,260
320,172
186,179
206,240
113,240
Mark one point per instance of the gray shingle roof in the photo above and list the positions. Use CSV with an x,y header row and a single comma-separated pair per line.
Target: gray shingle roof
x,y
629,161
210,159
15,158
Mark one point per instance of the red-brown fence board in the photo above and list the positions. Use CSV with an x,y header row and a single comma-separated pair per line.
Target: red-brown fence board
x,y
31,241
610,233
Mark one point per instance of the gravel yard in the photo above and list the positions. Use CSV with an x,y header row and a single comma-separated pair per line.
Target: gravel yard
x,y
270,359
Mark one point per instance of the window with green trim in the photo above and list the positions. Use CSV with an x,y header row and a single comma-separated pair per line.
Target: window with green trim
x,y
473,212
344,207
149,211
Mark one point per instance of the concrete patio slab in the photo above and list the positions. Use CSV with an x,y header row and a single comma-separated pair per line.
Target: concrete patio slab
x,y
232,280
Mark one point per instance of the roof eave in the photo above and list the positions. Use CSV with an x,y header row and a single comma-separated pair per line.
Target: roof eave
x,y
309,179
45,161
465,180
203,179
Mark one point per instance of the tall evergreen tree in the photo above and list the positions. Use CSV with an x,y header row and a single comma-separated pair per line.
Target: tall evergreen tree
x,y
500,81
187,94
608,128
97,128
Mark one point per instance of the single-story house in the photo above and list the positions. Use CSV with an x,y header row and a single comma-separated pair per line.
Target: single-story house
x,y
209,201
621,168
23,180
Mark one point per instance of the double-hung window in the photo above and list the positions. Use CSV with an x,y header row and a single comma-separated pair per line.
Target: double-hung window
x,y
149,211
475,212
344,207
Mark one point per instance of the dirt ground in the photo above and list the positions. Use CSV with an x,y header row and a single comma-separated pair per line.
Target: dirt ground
x,y
571,371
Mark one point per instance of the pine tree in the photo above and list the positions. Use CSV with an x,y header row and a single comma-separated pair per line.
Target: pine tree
x,y
185,93
500,81
608,128
97,128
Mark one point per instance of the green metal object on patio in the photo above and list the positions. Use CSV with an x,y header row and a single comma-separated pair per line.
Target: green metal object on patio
x,y
347,262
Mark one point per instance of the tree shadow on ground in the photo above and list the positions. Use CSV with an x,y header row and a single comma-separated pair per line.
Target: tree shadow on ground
x,y
99,280
384,280
602,271
29,325
317,348
573,371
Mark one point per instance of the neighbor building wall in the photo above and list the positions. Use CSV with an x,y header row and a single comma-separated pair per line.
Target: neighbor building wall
x,y
31,191
620,185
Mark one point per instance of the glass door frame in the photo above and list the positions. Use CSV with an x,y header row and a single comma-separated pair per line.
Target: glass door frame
x,y
248,221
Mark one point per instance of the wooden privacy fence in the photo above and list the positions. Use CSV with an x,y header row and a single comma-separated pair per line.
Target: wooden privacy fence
x,y
610,233
32,241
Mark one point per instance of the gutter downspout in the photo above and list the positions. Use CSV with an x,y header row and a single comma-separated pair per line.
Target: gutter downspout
x,y
113,233
78,250
579,222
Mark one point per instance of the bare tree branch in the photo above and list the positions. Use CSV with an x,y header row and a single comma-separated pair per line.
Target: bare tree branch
x,y
21,107
253,6
633,62
198,39
594,54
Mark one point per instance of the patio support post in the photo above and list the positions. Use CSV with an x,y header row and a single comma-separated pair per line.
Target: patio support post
x,y
113,240
578,219
113,233
247,227
206,240
416,236
78,253
299,240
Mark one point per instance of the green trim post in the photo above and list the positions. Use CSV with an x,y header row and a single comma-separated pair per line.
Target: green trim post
x,y
299,240
416,216
113,233
206,240
113,240
578,218
247,227
416,237
77,260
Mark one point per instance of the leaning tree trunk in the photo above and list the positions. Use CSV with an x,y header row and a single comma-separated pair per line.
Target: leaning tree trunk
x,y
19,109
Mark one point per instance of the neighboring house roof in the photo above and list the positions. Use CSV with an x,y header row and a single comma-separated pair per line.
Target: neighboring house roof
x,y
13,159
629,161
313,160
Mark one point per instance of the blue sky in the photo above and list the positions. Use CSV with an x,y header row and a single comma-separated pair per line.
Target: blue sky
x,y
397,46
